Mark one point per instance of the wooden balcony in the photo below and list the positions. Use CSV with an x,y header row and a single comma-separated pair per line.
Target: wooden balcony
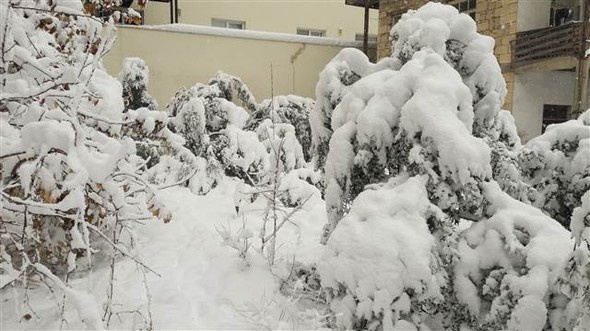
x,y
551,43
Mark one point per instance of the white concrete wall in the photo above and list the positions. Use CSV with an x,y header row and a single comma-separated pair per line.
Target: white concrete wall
x,y
532,91
156,13
533,14
178,59
339,20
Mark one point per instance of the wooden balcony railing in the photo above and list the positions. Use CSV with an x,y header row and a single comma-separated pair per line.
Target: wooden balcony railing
x,y
546,43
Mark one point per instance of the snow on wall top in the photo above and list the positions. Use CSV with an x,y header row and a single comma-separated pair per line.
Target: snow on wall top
x,y
248,34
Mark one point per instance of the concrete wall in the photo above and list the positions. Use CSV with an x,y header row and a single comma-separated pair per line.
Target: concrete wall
x,y
285,16
533,14
532,91
178,59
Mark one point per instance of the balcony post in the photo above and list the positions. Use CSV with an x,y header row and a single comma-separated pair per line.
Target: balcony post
x,y
583,66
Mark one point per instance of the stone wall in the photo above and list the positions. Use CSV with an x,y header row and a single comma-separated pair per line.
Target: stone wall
x,y
497,19
389,10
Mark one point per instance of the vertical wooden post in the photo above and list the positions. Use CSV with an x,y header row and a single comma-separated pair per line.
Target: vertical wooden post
x,y
171,11
366,29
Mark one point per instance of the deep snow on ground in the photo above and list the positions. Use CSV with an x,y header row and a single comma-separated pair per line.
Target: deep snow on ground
x,y
203,283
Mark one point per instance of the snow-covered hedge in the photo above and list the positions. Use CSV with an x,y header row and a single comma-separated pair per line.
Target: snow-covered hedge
x,y
69,177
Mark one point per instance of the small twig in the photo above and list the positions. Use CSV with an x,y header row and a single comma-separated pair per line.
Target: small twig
x,y
95,229
12,154
180,182
288,216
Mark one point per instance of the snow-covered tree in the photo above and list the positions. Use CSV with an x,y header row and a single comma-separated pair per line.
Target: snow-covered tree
x,y
70,179
413,152
135,79
335,80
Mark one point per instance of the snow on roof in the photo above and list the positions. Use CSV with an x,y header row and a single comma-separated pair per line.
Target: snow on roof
x,y
248,34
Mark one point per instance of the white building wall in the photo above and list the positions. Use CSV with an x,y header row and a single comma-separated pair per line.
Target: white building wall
x,y
532,91
285,16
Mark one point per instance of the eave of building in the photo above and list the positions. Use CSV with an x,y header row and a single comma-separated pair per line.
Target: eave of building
x,y
373,4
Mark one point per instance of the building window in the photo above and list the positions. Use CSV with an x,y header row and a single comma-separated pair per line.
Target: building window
x,y
359,37
465,6
554,114
228,24
564,11
311,32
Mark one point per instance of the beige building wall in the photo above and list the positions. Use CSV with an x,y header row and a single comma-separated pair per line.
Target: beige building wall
x,y
178,59
535,89
533,14
285,16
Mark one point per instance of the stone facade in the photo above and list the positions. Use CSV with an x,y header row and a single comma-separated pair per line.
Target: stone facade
x,y
495,18
389,11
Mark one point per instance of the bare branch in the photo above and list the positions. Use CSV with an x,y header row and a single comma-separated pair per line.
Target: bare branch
x,y
97,231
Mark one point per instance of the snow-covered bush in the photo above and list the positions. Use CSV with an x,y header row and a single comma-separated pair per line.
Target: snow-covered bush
x,y
200,115
167,160
233,141
135,78
289,109
508,264
232,88
557,166
437,118
574,282
381,280
111,10
190,124
69,178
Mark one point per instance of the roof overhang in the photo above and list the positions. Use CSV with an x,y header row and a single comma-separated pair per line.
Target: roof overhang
x,y
373,4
